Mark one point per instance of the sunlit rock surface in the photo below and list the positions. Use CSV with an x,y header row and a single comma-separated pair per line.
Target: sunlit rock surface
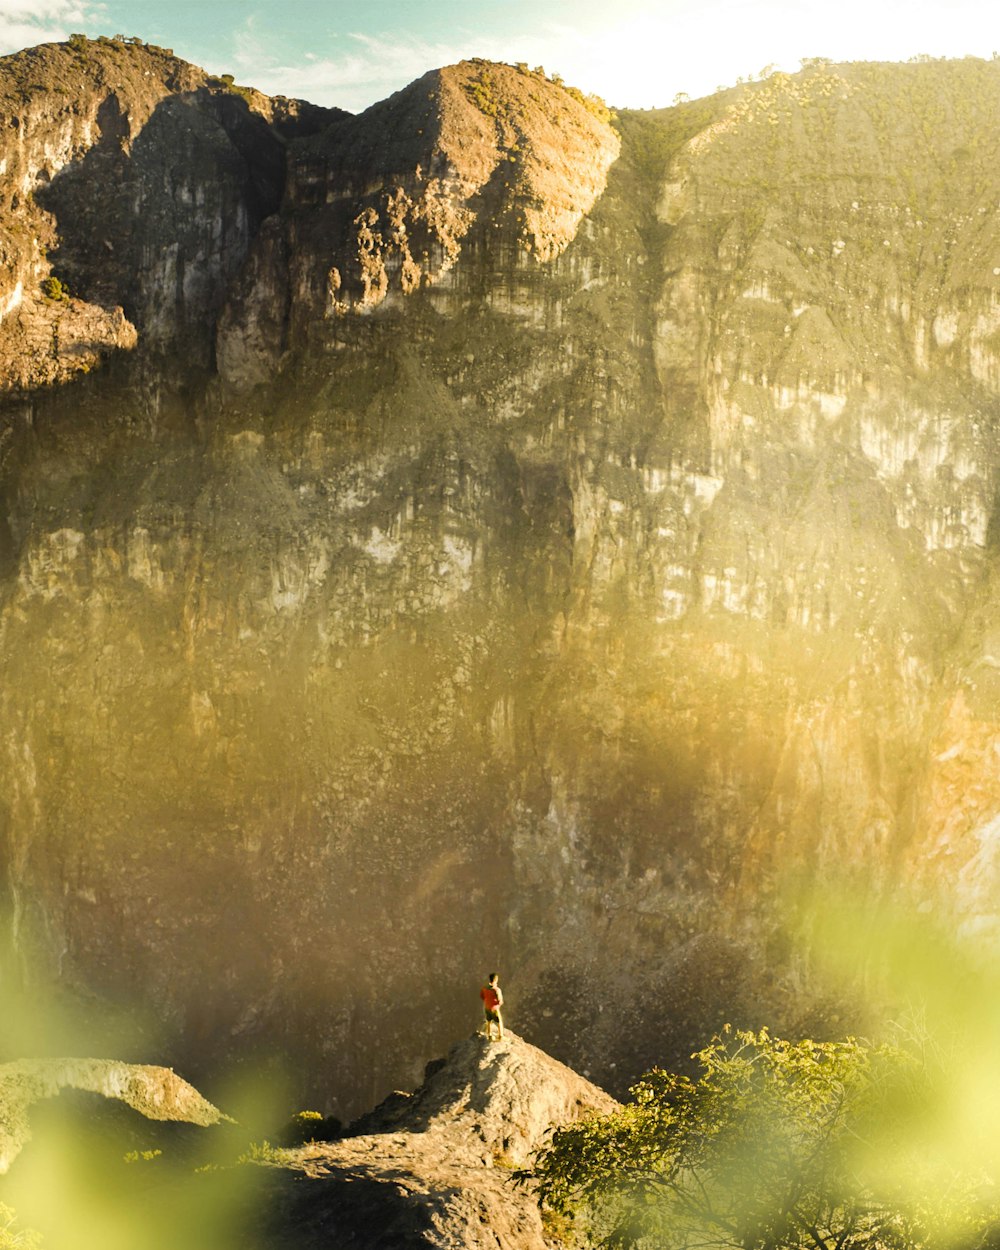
x,y
435,1167
501,544
156,1093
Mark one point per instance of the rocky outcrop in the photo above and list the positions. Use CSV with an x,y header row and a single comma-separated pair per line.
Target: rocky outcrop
x,y
156,1093
431,1168
477,159
133,186
435,1168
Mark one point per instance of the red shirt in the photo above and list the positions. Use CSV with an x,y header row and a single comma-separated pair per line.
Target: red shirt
x,y
490,996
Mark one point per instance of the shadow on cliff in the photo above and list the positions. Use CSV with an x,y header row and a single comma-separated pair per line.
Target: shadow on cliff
x,y
346,1210
159,222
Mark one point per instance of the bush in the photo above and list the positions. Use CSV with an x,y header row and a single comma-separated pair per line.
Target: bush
x,y
774,1146
307,1126
54,290
12,1237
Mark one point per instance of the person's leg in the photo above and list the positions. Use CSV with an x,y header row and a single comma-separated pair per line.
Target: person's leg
x,y
499,1026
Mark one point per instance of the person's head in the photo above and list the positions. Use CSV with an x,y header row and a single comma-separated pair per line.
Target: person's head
x,y
494,978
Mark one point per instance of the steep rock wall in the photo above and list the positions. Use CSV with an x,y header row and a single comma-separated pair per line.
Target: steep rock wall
x,y
137,183
538,595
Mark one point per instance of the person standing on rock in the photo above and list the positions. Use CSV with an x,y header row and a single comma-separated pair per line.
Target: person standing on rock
x,y
492,997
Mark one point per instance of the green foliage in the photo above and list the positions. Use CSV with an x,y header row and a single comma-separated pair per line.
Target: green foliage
x,y
558,1227
484,93
592,103
54,290
308,1126
12,1237
143,1156
228,83
78,42
481,90
767,1149
652,140
262,1152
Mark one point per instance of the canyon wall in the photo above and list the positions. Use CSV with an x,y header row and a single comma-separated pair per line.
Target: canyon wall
x,y
486,533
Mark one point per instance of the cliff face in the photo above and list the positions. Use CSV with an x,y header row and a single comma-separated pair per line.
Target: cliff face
x,y
493,541
136,182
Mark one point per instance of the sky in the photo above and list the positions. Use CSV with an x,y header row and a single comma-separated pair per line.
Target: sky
x,y
633,53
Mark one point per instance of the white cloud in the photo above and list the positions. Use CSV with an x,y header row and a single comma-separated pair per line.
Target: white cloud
x,y
633,57
24,23
370,70
376,66
43,10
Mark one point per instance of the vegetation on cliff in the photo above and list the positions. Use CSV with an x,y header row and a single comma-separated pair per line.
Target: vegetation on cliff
x,y
480,90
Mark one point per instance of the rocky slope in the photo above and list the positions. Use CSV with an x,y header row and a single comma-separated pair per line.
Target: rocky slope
x,y
136,182
435,1168
431,1168
493,540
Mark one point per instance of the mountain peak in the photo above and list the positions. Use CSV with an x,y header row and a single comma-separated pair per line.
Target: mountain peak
x,y
479,157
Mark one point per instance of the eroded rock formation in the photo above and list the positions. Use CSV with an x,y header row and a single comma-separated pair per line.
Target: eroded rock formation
x,y
157,1093
431,1168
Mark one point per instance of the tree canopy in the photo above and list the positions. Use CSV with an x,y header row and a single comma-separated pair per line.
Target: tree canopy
x,y
775,1145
